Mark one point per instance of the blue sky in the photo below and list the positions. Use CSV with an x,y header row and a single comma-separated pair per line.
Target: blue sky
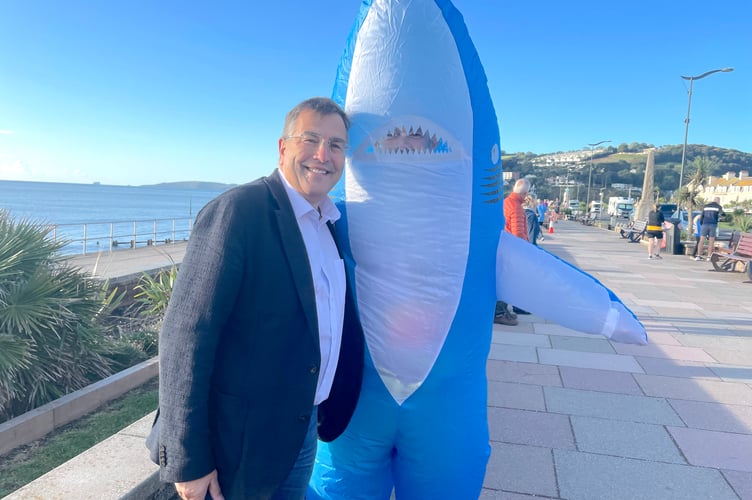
x,y
141,92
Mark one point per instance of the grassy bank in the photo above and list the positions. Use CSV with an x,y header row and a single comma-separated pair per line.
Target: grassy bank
x,y
27,463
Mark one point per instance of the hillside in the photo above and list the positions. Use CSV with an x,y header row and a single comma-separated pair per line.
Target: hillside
x,y
616,169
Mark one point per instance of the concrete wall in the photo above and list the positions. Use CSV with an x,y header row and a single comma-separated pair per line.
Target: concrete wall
x,y
39,422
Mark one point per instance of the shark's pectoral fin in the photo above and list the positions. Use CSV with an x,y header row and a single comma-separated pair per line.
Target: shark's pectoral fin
x,y
537,281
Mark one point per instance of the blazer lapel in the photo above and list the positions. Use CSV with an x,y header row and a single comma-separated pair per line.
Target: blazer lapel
x,y
297,258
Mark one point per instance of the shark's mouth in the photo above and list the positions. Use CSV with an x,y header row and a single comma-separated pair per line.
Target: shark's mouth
x,y
408,138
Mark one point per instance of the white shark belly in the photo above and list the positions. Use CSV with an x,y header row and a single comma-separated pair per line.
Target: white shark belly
x,y
408,213
409,264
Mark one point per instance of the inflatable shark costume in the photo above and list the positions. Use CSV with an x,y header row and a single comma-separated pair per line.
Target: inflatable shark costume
x,y
423,227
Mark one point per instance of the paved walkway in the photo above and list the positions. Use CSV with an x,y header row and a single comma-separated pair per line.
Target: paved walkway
x,y
123,265
577,416
574,416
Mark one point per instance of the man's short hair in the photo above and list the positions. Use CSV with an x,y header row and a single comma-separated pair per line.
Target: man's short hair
x,y
522,186
321,105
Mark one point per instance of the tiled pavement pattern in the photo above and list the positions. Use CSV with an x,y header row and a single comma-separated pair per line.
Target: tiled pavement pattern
x,y
576,416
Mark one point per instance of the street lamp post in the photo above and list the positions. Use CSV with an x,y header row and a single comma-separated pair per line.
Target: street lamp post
x,y
686,122
590,175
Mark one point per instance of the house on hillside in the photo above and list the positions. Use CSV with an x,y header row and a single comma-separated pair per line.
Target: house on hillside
x,y
730,188
568,159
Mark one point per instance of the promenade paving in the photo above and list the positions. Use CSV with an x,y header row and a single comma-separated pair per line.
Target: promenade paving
x,y
127,264
575,416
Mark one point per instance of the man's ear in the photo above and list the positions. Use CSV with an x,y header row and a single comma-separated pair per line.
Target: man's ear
x,y
281,147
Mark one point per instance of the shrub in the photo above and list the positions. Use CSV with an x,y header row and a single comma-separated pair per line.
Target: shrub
x,y
52,320
743,222
153,293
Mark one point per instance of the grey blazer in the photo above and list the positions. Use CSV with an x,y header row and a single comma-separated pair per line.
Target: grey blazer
x,y
239,350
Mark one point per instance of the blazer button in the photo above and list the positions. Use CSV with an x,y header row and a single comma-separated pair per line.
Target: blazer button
x,y
304,418
314,369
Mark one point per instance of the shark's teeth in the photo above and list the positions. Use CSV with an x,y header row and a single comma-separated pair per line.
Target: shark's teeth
x,y
410,139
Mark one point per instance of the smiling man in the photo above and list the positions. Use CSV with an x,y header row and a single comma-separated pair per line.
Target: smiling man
x,y
315,162
260,342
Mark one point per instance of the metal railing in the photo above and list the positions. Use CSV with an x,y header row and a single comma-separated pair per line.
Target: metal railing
x,y
88,237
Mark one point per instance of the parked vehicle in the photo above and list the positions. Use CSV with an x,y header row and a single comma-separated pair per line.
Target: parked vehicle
x,y
595,208
668,209
681,218
574,208
621,207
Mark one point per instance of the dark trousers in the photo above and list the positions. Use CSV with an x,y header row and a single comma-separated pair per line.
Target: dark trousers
x,y
697,243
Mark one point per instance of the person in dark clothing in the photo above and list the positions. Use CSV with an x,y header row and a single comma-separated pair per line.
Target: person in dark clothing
x,y
654,231
533,229
261,350
711,214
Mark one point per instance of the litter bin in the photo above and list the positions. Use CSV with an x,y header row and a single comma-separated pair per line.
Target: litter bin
x,y
674,245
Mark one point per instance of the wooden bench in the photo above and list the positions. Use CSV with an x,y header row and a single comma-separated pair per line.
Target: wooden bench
x,y
741,252
635,232
732,242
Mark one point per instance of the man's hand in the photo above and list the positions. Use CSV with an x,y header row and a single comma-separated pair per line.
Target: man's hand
x,y
196,489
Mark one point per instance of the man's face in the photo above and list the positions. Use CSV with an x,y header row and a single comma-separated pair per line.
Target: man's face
x,y
312,166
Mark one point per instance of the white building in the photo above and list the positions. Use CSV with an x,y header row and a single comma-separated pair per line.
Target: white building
x,y
730,188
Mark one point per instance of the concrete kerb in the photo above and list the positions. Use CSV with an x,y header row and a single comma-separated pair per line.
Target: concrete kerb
x,y
151,488
39,422
118,467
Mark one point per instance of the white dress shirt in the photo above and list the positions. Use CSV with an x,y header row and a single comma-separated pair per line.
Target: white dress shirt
x,y
328,273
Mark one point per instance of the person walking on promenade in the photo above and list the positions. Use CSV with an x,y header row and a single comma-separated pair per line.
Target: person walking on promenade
x,y
654,231
260,346
542,209
696,230
711,214
515,223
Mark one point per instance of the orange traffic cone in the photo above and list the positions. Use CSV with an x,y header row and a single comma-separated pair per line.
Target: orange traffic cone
x,y
550,227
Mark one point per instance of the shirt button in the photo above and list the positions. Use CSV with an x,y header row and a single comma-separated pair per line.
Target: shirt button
x,y
314,369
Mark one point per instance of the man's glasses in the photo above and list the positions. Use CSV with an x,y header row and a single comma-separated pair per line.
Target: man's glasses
x,y
312,142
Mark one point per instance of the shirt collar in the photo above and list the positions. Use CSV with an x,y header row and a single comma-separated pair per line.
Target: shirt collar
x,y
301,206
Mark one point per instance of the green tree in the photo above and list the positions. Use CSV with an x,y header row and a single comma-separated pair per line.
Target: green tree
x,y
51,321
702,166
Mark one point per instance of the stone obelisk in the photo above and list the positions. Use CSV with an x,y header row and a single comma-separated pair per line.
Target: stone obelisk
x,y
647,201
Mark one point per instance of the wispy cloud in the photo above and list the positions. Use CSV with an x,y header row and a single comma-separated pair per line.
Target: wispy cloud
x,y
6,132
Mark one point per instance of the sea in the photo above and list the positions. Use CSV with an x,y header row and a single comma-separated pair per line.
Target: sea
x,y
97,217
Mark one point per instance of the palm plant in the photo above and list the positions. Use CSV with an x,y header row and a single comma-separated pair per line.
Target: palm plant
x,y
689,195
743,222
153,293
51,330
703,166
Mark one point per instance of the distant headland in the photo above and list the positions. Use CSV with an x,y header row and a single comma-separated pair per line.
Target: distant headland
x,y
203,186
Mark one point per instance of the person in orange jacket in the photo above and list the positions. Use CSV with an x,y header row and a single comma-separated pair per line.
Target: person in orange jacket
x,y
515,222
